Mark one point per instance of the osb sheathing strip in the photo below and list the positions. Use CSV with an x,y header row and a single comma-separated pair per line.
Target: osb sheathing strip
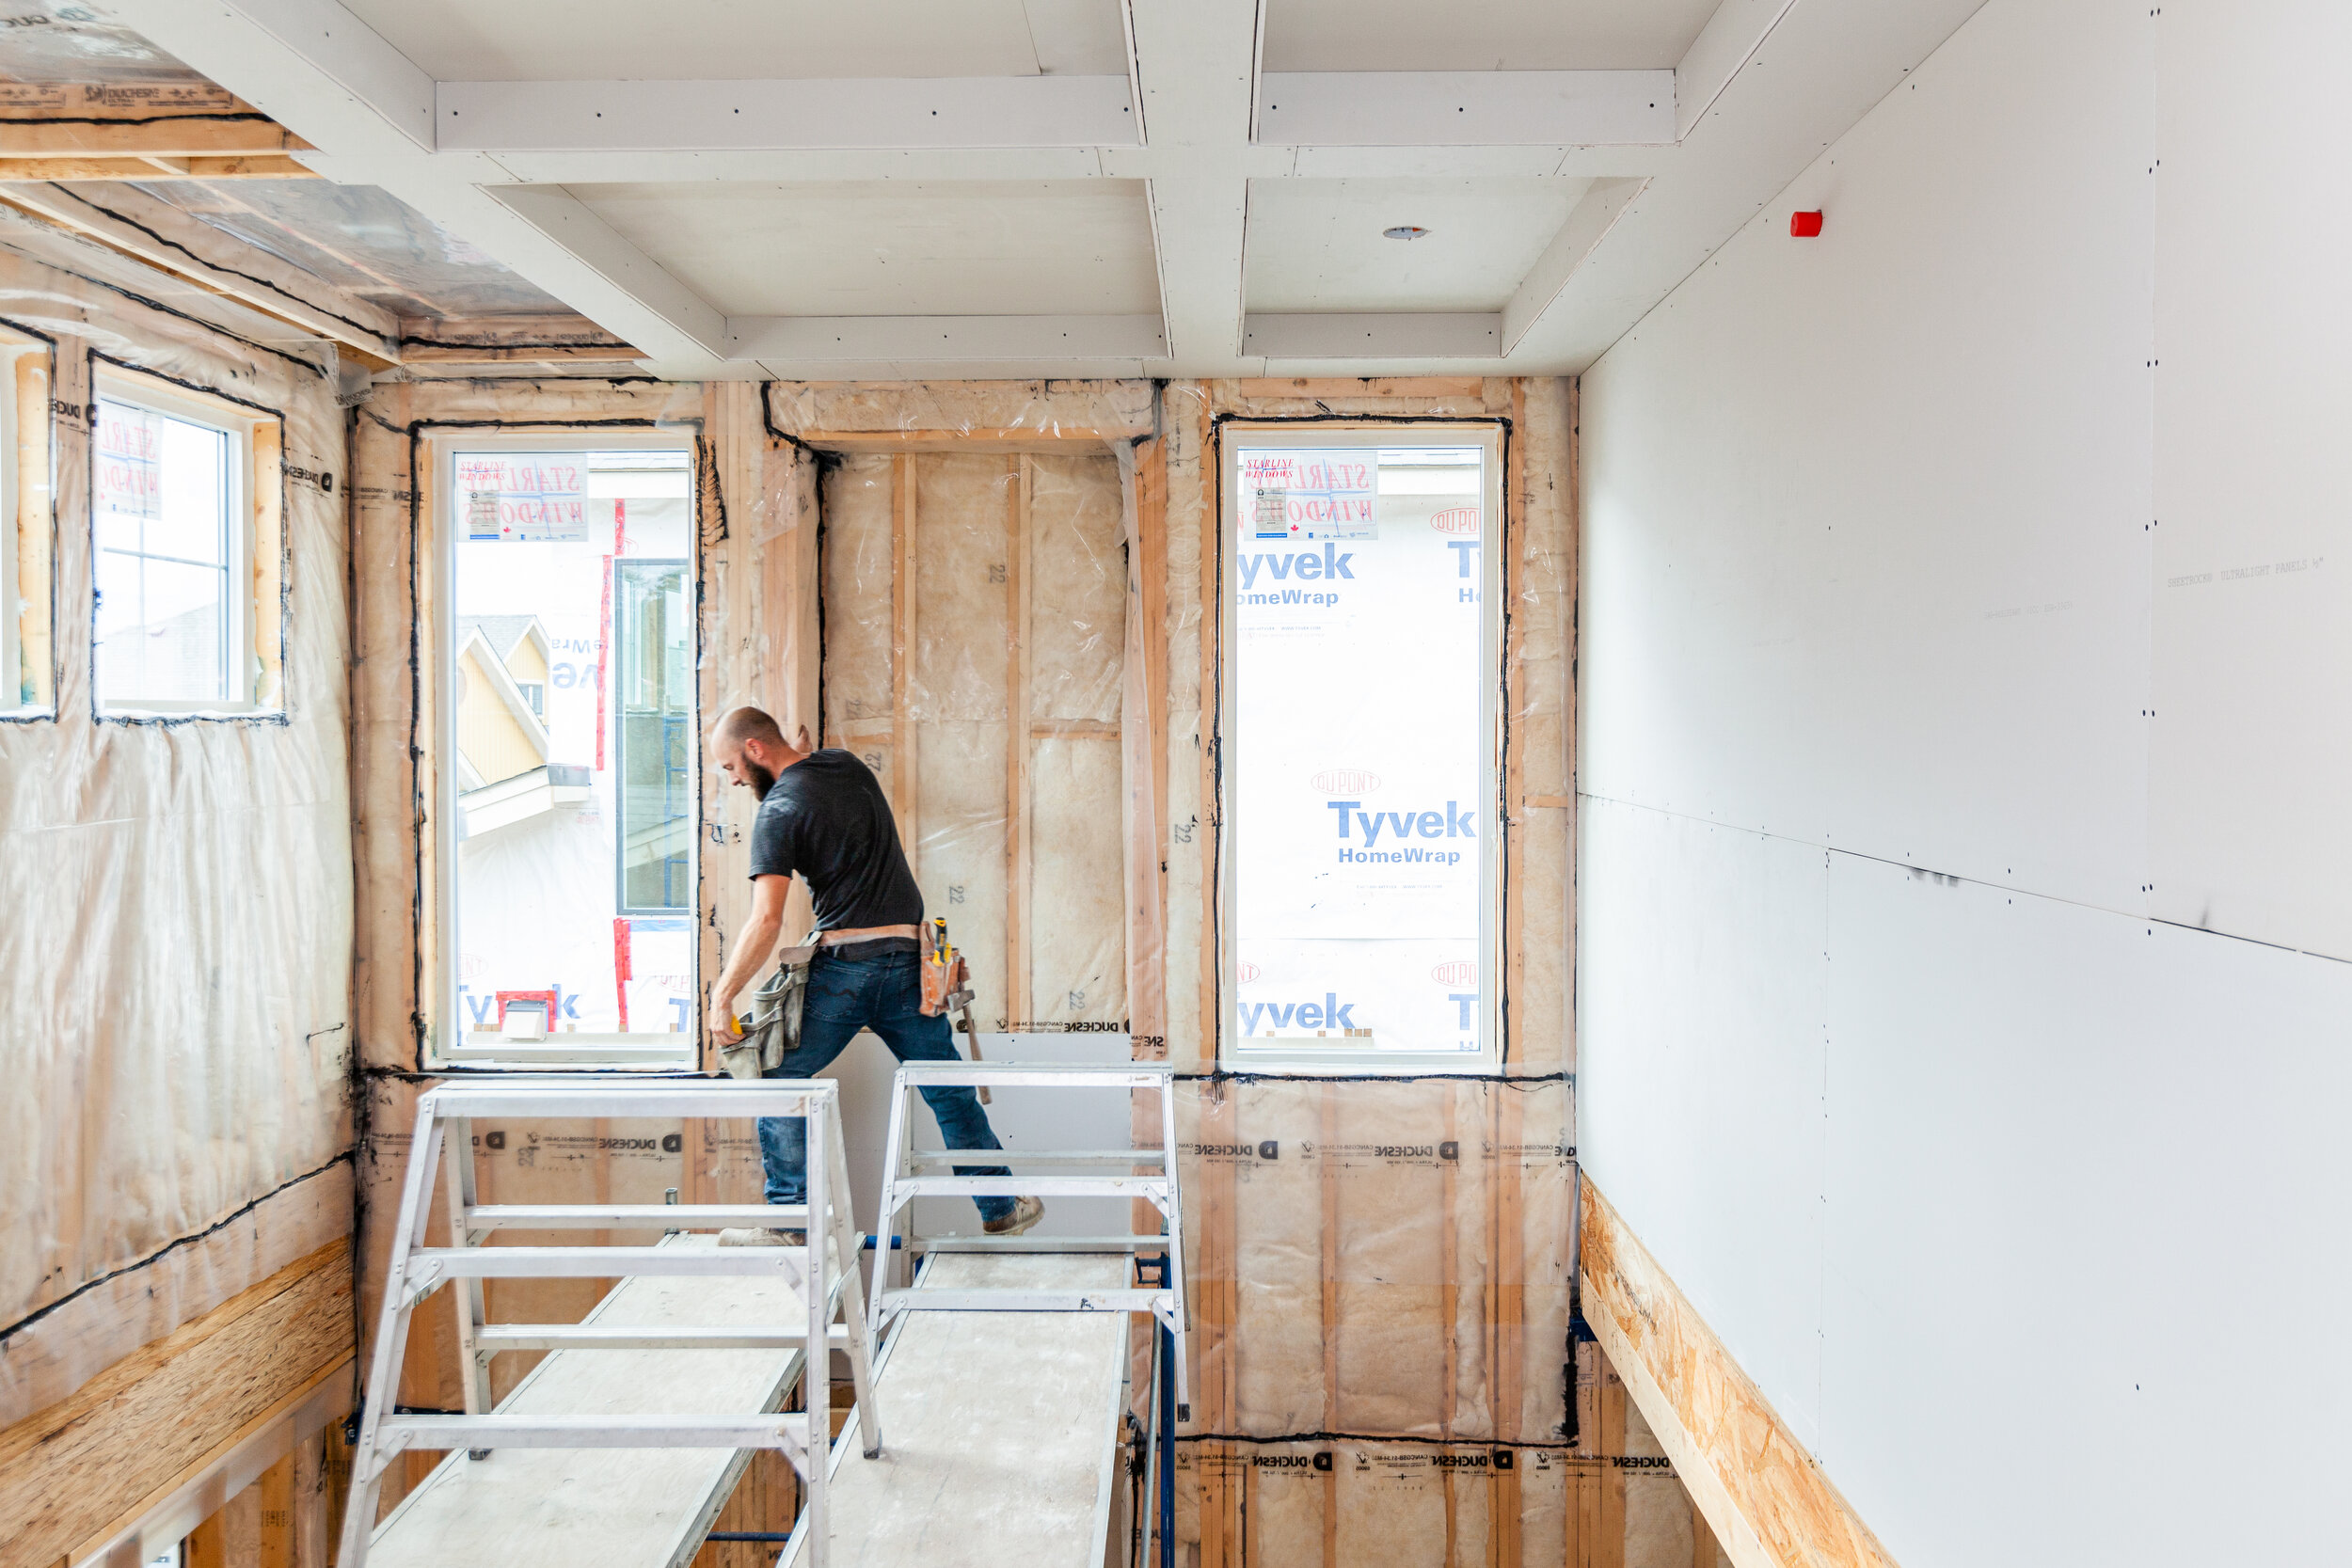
x,y
72,1470
1769,1503
47,1359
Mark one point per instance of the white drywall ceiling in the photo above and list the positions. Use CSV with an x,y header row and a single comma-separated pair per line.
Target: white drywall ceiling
x,y
562,40
897,248
485,117
1497,35
1318,245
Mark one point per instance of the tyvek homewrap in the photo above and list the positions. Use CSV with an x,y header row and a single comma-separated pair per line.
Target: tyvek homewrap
x,y
1357,752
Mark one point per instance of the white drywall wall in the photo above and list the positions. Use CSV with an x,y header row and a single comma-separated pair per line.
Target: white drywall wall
x,y
1908,781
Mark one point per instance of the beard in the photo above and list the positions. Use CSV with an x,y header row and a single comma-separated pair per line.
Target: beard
x,y
761,780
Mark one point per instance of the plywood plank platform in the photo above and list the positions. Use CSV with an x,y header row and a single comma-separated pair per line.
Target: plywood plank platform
x,y
1000,1429
622,1508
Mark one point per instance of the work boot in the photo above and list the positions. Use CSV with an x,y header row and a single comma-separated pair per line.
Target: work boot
x,y
1026,1212
753,1235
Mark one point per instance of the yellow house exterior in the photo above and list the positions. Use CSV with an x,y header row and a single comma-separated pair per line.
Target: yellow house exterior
x,y
499,737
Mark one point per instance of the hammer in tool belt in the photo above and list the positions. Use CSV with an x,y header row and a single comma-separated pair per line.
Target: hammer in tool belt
x,y
948,985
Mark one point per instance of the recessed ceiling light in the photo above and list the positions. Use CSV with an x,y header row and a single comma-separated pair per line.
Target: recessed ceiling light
x,y
1404,231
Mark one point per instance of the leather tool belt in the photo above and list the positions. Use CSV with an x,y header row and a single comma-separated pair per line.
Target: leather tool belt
x,y
771,1030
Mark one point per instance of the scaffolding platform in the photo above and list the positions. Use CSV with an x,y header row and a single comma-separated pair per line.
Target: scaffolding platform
x,y
624,1508
1004,1447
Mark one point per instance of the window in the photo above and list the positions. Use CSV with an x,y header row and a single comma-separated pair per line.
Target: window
x,y
26,662
653,677
172,521
568,770
1361,862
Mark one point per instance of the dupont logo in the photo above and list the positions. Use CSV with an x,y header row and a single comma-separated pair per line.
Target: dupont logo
x,y
1456,520
1345,780
1457,971
1248,973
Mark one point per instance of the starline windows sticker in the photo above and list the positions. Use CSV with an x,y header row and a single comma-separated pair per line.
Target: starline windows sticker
x,y
1313,493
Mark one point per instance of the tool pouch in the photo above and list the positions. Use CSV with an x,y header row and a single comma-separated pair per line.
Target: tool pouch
x,y
773,1027
941,980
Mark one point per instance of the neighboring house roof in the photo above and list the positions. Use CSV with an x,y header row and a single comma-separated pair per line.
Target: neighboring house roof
x,y
503,633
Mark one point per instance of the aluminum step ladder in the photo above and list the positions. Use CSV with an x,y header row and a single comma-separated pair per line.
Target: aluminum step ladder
x,y
824,1277
1059,1172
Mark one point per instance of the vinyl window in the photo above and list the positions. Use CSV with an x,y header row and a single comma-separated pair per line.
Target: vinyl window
x,y
567,753
176,627
1360,860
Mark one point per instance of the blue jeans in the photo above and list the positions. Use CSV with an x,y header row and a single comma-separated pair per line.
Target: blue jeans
x,y
883,993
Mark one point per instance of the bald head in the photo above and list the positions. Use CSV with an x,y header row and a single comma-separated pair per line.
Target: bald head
x,y
749,747
739,724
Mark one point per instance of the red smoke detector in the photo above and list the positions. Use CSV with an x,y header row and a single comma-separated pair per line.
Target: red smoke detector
x,y
1804,225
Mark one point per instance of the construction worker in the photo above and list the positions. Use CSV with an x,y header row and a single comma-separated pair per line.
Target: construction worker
x,y
822,815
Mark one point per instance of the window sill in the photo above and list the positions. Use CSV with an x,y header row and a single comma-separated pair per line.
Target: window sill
x,y
191,710
487,1048
1361,1064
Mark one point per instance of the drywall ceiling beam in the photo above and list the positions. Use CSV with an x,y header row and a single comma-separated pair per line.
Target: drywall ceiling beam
x,y
1199,228
1258,161
945,112
1466,108
1724,47
1391,335
1532,161
1196,62
1401,108
1588,223
814,340
310,65
166,237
